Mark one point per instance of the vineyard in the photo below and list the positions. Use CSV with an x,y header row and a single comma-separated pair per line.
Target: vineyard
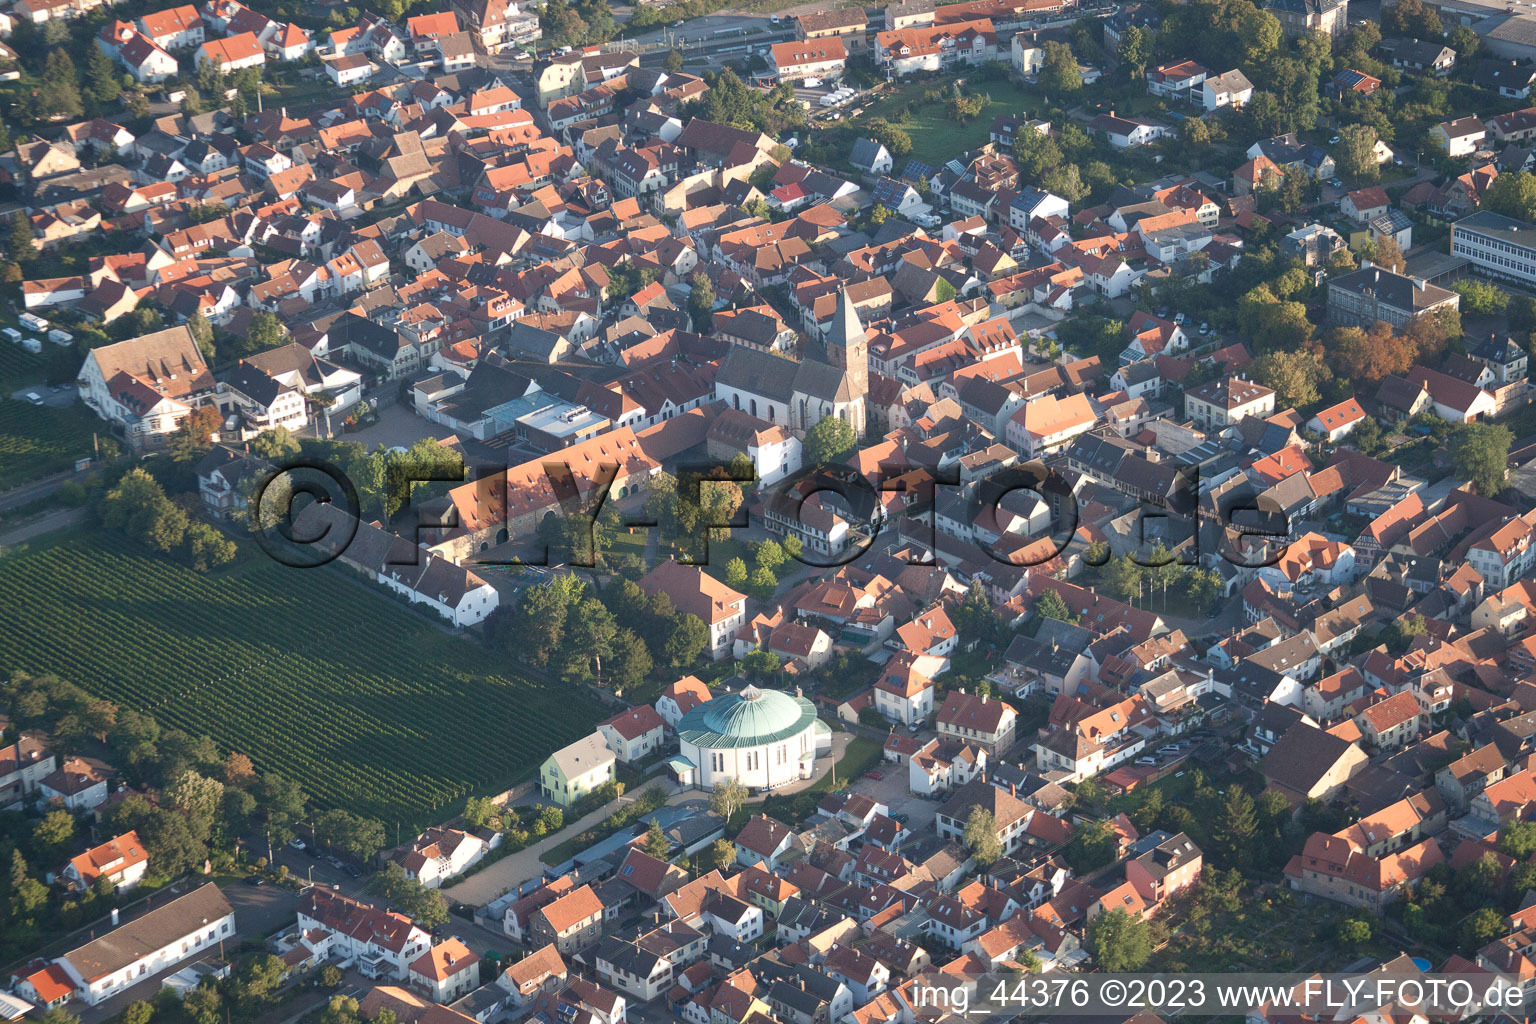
x,y
367,705
36,441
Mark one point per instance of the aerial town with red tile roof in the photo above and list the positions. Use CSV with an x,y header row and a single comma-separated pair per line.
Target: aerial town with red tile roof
x,y
803,503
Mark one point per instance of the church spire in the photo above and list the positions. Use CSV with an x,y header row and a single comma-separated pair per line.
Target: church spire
x,y
847,345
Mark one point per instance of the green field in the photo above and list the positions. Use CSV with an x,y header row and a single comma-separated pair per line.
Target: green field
x,y
935,136
368,705
38,440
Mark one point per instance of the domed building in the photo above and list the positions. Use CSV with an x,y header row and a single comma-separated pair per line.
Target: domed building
x,y
763,739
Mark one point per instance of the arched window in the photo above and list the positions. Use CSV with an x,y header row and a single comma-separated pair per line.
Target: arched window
x,y
754,407
736,401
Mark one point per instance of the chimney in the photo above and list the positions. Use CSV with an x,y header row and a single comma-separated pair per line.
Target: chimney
x,y
114,917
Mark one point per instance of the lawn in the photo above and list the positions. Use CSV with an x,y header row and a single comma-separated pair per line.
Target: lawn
x,y
367,704
935,136
38,440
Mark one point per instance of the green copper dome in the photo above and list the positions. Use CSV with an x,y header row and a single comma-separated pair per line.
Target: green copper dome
x,y
749,718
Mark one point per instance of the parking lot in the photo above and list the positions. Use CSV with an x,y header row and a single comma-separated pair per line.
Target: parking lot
x,y
58,396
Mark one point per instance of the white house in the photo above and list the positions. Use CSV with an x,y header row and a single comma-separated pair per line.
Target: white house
x,y
351,69
1229,90
121,861
1127,132
146,945
446,972
634,734
1032,204
440,853
383,943
903,693
80,784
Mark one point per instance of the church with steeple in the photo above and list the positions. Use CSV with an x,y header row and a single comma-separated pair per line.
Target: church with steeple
x,y
801,395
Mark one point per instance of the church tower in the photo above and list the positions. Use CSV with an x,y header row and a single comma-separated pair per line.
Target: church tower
x,y
848,347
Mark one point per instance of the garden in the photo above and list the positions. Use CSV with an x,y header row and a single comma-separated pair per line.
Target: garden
x,y
368,706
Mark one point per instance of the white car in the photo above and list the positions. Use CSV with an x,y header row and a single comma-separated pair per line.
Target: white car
x,y
1205,328
774,20
1178,318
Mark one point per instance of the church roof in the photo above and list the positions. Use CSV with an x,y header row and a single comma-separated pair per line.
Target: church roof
x,y
760,373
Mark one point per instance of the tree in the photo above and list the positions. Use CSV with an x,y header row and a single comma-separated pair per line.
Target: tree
x,y
673,62
722,854
1465,42
656,842
980,836
1354,932
1058,69
275,444
1092,845
701,301
1518,839
1389,254
101,76
828,442
630,664
238,769
686,641
736,574
964,108
1235,828
266,332
1482,927
1341,261
1480,453
1051,606
52,834
18,242
351,833
202,333
1355,154
1294,376
1480,298
1135,50
1036,153
1411,18
1118,941
760,664
728,798
426,906
1513,195
1066,181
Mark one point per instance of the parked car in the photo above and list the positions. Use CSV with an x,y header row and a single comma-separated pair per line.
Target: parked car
x,y
34,398
297,843
1205,328
255,880
874,774
1178,318
1334,141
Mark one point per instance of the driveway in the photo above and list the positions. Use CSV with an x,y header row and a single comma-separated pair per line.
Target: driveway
x,y
397,425
891,790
